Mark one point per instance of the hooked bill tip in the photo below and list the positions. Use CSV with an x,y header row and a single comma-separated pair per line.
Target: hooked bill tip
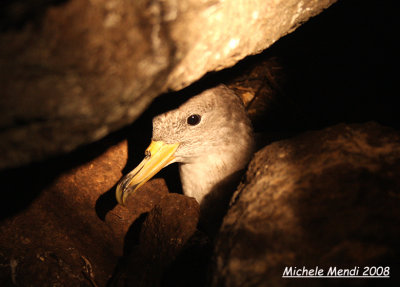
x,y
125,186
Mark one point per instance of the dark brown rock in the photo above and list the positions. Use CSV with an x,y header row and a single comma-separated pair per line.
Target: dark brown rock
x,y
55,224
78,74
324,198
162,236
73,71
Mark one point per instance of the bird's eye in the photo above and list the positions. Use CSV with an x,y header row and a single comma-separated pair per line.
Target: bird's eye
x,y
193,119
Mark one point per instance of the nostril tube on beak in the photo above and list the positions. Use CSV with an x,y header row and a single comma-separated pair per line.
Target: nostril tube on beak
x,y
147,153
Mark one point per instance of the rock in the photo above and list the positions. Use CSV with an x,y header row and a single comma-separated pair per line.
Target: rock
x,y
324,198
162,236
61,217
76,74
219,30
61,225
74,71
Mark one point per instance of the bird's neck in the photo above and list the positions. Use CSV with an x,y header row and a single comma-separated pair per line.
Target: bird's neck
x,y
200,177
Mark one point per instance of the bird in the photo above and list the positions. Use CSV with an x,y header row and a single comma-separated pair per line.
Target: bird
x,y
210,136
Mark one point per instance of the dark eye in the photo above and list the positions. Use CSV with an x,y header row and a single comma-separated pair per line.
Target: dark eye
x,y
193,120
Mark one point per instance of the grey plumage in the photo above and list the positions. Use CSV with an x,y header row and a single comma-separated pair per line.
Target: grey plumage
x,y
209,153
220,145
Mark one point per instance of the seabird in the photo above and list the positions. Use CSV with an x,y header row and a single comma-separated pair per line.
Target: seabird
x,y
211,138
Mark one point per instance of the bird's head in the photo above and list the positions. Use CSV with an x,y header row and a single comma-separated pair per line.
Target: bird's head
x,y
206,124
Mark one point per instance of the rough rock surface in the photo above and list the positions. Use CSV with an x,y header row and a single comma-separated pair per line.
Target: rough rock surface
x,y
56,225
73,71
164,232
60,224
324,198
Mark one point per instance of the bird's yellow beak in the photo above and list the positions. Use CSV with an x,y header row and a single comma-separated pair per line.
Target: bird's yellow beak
x,y
158,155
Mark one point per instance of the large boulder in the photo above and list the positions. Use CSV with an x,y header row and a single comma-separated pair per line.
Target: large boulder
x,y
157,242
73,71
327,198
73,233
